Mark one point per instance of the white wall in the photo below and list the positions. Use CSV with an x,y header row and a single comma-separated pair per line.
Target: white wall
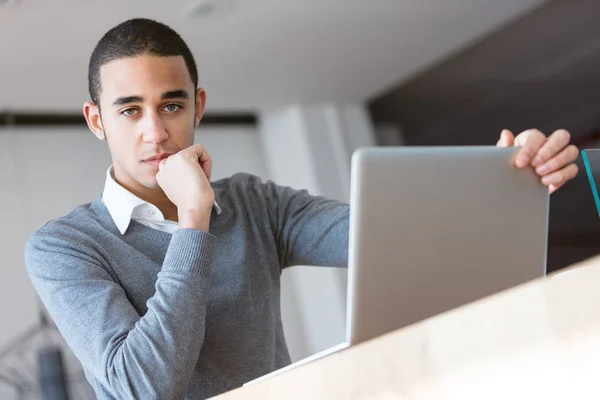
x,y
46,172
310,146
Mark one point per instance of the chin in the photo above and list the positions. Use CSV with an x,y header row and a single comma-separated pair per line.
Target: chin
x,y
154,185
150,182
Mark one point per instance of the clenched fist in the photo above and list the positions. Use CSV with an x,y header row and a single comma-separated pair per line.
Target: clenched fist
x,y
185,179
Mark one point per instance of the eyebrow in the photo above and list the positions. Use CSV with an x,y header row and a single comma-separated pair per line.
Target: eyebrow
x,y
127,100
172,94
175,94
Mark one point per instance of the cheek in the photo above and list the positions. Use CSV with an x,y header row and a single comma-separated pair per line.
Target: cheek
x,y
182,134
120,150
123,145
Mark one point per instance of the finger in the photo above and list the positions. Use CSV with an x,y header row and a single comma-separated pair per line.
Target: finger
x,y
554,145
159,172
554,188
197,148
203,158
530,141
565,157
507,139
559,178
206,164
162,163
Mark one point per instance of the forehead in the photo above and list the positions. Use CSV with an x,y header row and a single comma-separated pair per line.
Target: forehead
x,y
144,75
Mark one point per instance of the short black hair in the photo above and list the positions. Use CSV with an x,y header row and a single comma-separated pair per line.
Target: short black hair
x,y
132,38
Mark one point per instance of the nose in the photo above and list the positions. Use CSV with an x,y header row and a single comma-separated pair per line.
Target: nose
x,y
154,131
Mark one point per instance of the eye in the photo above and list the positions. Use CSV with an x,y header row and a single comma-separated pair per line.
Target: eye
x,y
172,107
129,112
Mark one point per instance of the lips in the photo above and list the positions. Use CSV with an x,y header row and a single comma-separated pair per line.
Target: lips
x,y
155,160
158,158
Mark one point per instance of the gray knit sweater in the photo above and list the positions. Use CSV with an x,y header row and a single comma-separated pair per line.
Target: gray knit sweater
x,y
190,315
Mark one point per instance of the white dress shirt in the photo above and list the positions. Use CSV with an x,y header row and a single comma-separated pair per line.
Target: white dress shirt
x,y
123,206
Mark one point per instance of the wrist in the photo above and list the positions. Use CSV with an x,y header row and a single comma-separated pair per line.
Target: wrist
x,y
194,219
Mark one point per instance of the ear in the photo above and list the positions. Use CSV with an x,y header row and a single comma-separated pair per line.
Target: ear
x,y
200,105
92,116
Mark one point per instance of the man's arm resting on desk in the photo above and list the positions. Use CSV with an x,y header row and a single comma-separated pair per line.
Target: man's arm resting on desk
x,y
133,357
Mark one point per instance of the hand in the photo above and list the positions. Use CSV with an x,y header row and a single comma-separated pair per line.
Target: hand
x,y
185,179
552,157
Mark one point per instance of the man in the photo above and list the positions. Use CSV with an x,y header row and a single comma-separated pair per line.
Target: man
x,y
167,286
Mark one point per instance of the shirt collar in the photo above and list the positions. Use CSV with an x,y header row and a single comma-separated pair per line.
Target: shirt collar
x,y
120,202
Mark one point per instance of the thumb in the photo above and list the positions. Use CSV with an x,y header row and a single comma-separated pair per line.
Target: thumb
x,y
507,139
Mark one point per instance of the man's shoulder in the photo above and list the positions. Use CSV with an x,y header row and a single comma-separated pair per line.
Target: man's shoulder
x,y
62,243
240,179
248,187
243,181
77,222
238,185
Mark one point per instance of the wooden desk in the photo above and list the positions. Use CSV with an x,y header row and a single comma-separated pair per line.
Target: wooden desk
x,y
540,340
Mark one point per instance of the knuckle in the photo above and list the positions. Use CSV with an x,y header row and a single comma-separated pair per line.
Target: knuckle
x,y
529,151
538,133
545,153
524,135
534,134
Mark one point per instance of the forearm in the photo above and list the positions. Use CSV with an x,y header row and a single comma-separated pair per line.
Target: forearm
x,y
133,357
157,356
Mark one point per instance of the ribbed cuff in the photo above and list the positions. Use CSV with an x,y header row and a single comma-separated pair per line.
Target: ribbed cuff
x,y
190,250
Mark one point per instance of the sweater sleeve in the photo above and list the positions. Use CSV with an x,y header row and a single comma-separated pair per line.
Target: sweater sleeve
x,y
310,230
134,357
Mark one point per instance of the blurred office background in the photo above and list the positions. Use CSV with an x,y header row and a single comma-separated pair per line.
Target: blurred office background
x,y
293,88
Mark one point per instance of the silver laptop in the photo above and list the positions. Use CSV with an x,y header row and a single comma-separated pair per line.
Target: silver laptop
x,y
434,228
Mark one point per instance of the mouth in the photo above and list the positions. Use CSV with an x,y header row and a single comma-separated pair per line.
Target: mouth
x,y
155,160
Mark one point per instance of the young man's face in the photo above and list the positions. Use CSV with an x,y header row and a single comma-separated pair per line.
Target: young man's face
x,y
149,109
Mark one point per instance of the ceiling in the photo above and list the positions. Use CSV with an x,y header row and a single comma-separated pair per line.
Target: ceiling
x,y
263,54
541,71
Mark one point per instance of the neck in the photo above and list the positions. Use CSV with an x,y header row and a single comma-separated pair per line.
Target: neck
x,y
162,202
